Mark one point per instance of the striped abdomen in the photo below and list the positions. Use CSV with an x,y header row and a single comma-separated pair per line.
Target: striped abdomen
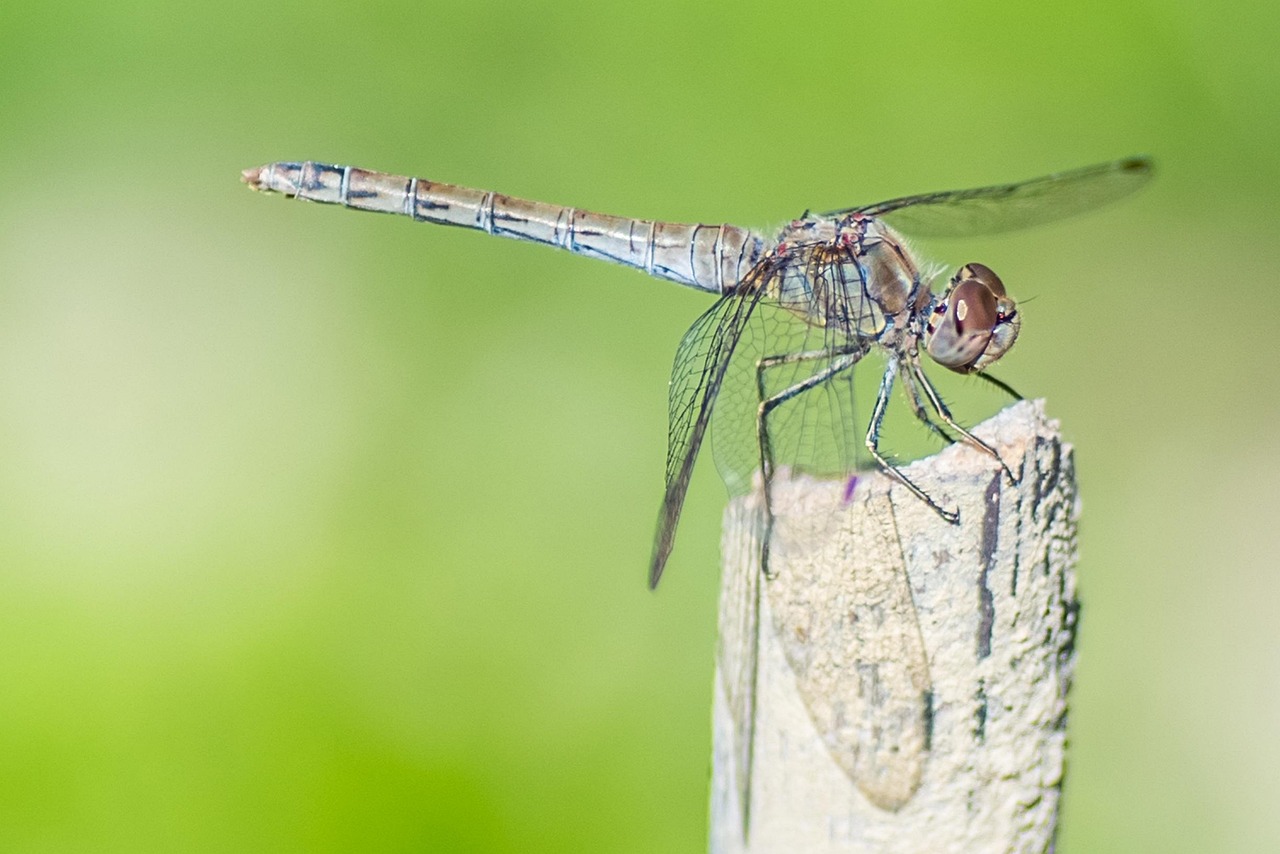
x,y
707,257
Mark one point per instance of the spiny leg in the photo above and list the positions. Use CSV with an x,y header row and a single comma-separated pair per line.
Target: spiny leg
x,y
842,359
945,414
1000,384
873,444
917,406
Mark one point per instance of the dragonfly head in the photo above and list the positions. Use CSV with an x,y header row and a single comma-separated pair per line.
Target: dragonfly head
x,y
974,322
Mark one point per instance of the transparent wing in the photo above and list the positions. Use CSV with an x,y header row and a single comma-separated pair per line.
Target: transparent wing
x,y
800,358
815,431
737,638
1006,207
701,363
855,645
715,369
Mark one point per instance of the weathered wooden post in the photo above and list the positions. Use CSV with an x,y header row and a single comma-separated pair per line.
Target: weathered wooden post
x,y
899,684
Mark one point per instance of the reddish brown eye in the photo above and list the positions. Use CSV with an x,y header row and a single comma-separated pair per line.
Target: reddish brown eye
x,y
984,274
980,322
974,315
974,307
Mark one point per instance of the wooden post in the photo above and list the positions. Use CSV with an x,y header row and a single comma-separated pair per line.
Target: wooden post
x,y
901,684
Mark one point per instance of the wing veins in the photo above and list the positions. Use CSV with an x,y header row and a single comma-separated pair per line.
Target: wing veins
x,y
1008,207
691,403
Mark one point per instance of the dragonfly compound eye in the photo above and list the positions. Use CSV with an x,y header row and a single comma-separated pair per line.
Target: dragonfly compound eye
x,y
978,325
983,274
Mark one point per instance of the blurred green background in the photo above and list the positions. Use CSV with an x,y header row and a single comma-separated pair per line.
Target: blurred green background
x,y
321,531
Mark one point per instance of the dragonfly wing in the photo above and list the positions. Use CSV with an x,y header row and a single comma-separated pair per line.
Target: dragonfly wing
x,y
696,377
853,638
1007,207
738,638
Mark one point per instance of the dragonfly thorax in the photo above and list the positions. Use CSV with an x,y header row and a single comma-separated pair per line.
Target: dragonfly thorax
x,y
853,276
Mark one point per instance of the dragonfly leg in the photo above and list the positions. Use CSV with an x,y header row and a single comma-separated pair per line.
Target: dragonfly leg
x,y
873,445
936,401
841,359
1000,384
917,406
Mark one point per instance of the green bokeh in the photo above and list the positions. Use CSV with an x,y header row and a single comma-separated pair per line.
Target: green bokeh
x,y
322,531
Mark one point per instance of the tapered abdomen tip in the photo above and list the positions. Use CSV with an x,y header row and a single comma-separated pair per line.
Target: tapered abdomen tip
x,y
252,177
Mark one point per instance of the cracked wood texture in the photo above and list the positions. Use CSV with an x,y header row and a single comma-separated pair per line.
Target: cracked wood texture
x,y
906,690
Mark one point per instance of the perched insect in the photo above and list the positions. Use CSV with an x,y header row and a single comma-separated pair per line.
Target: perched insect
x,y
774,359
802,308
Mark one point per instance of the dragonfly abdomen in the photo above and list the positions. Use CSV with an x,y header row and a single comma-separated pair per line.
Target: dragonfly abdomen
x,y
706,257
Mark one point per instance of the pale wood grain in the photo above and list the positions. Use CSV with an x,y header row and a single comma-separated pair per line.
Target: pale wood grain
x,y
847,754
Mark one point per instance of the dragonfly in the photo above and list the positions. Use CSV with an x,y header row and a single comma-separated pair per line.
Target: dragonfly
x,y
796,311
